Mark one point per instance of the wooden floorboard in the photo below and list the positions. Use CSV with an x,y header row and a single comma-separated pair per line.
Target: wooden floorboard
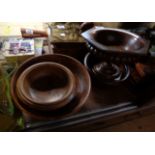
x,y
146,123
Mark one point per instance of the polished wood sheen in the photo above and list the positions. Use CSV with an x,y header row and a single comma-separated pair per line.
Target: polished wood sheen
x,y
115,40
82,87
46,86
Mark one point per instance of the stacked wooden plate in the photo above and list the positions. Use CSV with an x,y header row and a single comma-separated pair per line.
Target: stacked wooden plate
x,y
50,86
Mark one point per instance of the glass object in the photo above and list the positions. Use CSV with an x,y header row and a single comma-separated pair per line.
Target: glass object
x,y
65,31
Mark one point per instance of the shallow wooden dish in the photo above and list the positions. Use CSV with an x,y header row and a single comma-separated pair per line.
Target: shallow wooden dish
x,y
82,87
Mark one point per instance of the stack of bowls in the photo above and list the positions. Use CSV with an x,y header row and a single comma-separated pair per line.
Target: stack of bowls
x,y
46,86
50,86
106,73
110,51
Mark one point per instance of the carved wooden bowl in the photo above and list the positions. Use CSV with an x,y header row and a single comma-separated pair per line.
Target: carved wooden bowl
x,y
46,85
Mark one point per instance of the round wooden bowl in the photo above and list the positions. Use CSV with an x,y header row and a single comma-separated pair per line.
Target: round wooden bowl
x,y
94,66
81,90
46,85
